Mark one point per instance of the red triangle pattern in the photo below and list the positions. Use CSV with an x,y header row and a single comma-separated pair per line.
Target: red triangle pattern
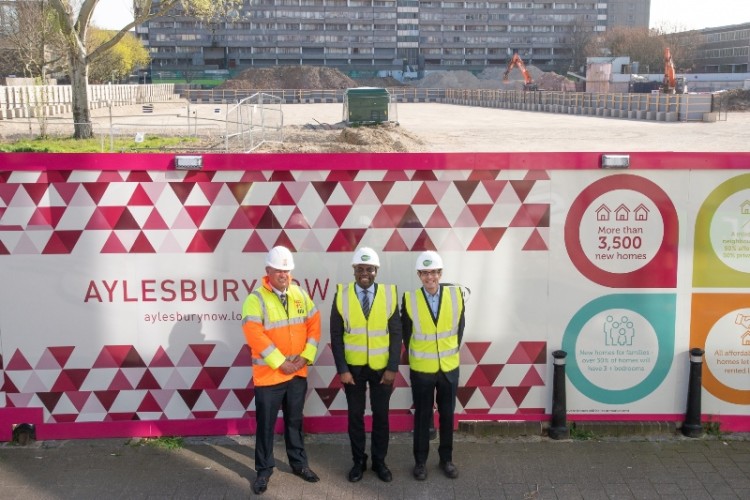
x,y
287,191
206,382
529,353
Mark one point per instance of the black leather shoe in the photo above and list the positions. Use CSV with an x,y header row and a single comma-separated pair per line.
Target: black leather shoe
x,y
449,469
420,472
260,485
383,472
356,473
307,474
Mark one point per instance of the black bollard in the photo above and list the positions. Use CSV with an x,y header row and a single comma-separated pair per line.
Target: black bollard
x,y
558,428
692,426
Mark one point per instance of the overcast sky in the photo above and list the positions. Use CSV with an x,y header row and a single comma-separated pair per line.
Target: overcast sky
x,y
688,14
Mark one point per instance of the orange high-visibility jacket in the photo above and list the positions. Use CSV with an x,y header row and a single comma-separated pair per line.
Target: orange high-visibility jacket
x,y
274,334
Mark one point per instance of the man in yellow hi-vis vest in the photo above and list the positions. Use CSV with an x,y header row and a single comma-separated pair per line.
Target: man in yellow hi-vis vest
x,y
433,328
282,327
366,344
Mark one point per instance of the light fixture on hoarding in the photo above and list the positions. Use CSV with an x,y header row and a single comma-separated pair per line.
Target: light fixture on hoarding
x,y
615,161
193,162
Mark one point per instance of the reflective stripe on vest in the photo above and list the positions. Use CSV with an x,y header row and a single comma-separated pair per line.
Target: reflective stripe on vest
x,y
291,320
366,340
434,347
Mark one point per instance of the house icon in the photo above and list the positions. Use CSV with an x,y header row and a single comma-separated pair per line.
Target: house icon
x,y
745,207
641,213
622,213
602,213
746,338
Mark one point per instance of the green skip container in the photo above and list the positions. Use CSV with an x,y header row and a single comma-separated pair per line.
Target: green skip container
x,y
366,105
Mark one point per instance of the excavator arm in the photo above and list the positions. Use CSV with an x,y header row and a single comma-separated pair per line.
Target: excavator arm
x,y
669,74
672,83
517,62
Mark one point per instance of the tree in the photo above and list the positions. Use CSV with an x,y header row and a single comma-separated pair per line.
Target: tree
x,y
647,47
30,38
118,62
74,23
580,40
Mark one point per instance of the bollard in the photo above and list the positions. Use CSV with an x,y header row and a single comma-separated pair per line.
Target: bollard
x,y
558,428
692,426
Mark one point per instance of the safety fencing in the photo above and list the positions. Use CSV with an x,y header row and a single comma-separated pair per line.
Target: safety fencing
x,y
658,107
29,101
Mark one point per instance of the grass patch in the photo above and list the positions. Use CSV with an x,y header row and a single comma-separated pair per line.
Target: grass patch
x,y
712,428
150,143
165,442
580,434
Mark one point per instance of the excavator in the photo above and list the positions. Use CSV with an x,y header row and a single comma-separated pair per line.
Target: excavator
x,y
672,83
517,62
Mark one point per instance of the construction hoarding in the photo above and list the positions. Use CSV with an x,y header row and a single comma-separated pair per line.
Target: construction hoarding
x,y
122,281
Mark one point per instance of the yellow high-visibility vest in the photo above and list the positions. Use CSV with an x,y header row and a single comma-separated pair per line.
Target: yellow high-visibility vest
x,y
366,340
434,347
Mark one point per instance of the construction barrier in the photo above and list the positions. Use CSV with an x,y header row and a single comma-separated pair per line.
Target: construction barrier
x,y
123,277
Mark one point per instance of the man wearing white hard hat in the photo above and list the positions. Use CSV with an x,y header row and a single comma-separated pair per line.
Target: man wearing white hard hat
x,y
282,327
433,327
366,344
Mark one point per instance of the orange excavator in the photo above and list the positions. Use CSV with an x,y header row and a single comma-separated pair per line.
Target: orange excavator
x,y
517,62
672,83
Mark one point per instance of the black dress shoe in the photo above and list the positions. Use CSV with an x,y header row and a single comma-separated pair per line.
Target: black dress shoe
x,y
260,485
449,469
383,472
307,474
357,471
420,472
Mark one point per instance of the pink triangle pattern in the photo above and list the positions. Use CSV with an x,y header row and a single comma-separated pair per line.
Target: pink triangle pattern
x,y
121,383
155,211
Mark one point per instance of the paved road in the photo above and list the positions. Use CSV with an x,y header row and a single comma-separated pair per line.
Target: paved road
x,y
539,468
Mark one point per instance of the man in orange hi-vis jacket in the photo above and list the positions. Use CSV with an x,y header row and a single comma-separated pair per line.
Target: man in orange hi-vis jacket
x,y
282,328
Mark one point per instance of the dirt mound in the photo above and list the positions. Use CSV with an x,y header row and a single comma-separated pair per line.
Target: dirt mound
x,y
492,78
737,100
455,79
338,138
290,77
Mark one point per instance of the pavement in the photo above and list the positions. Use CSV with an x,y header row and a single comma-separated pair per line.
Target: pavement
x,y
668,466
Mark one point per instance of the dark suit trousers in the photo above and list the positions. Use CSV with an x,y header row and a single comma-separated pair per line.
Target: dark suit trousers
x,y
380,396
424,387
290,397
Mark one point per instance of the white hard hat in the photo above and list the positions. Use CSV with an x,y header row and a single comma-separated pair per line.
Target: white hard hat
x,y
280,258
366,255
429,260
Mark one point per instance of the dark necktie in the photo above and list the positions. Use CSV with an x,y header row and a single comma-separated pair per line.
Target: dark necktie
x,y
282,297
365,303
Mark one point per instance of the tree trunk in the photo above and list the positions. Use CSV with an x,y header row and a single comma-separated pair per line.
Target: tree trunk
x,y
79,84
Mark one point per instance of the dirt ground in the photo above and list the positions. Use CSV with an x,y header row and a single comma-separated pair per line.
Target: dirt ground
x,y
448,128
429,127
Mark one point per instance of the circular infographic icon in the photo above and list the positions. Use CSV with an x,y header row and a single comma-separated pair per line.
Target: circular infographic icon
x,y
621,231
726,356
621,346
730,231
617,349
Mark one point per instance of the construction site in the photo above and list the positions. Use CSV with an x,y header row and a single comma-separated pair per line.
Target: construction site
x,y
302,111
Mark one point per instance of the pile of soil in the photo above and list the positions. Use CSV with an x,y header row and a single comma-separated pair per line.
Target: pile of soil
x,y
290,77
339,138
737,99
492,78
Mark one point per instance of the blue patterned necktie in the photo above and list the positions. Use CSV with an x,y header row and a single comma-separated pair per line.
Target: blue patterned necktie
x,y
282,297
365,303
